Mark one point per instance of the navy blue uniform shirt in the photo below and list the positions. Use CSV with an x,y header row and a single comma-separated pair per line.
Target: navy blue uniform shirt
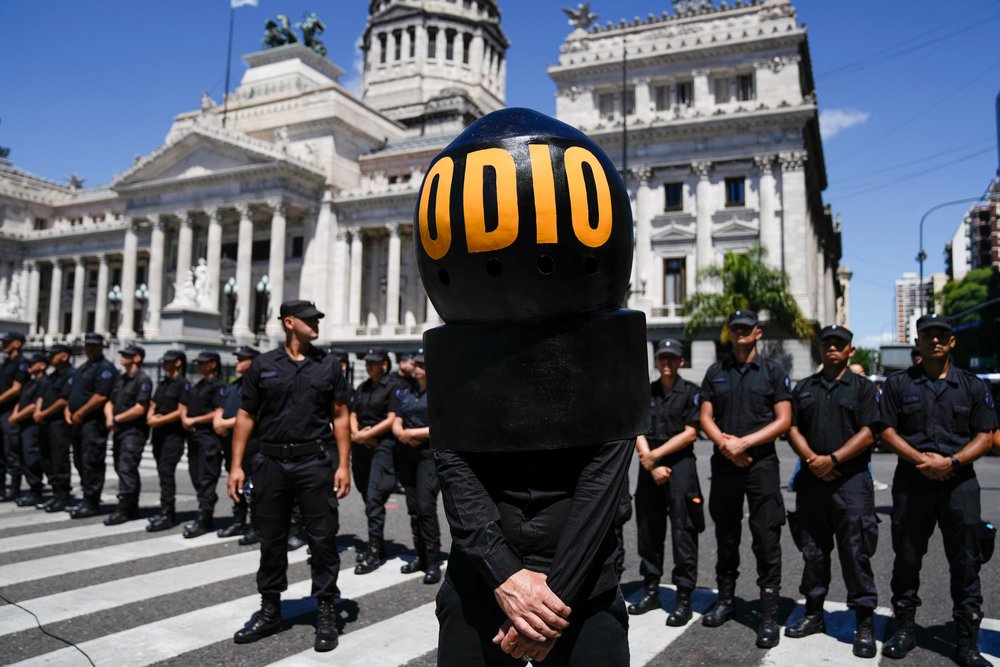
x,y
29,392
93,377
54,387
202,398
129,391
370,401
411,405
13,369
671,412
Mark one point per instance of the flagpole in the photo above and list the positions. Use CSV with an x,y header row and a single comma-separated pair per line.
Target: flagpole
x,y
229,59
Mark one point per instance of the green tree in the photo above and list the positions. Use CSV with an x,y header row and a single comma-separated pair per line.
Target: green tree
x,y
868,358
748,283
977,332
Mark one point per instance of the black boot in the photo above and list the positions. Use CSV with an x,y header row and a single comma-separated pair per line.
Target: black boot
x,y
769,632
419,563
85,509
29,499
649,600
809,624
967,641
433,573
201,525
372,559
250,537
864,635
239,524
162,521
681,614
724,608
326,626
904,639
125,511
263,623
55,505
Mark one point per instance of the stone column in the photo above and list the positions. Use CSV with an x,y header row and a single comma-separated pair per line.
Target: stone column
x,y
214,251
643,110
770,232
130,256
276,267
431,317
354,291
34,289
76,318
643,236
316,255
794,226
157,243
341,276
55,299
700,86
185,241
392,280
703,225
101,310
244,277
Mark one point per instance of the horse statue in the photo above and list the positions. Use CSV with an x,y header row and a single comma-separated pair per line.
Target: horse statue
x,y
278,34
311,26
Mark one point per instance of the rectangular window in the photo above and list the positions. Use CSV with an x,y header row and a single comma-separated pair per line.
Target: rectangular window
x,y
662,98
261,250
606,105
735,191
673,196
721,90
397,45
230,250
297,246
116,276
744,87
383,47
91,282
412,32
684,93
629,102
466,47
432,40
674,280
449,45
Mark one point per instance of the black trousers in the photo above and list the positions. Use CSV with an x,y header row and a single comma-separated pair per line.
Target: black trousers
x,y
205,466
844,509
168,447
11,453
760,484
375,478
90,448
127,446
240,507
418,475
31,455
680,500
469,616
277,485
918,504
55,450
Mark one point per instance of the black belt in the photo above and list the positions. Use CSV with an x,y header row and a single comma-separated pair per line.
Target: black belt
x,y
290,450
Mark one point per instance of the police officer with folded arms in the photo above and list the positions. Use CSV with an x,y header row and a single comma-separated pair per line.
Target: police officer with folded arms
x,y
54,435
197,404
938,419
13,376
745,407
89,389
168,435
223,423
834,412
668,486
125,417
28,430
295,397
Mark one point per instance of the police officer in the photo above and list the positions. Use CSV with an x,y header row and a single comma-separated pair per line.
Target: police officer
x,y
89,389
168,435
292,395
372,451
415,468
223,423
23,418
197,405
13,375
54,434
834,412
668,486
125,417
938,419
404,375
745,407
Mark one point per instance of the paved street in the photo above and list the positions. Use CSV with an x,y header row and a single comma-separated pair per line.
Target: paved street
x,y
128,597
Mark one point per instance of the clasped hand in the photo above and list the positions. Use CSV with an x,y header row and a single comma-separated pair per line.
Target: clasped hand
x,y
734,449
935,466
536,616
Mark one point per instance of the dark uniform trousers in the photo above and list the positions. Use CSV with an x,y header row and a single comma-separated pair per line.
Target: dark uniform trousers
x,y
653,505
168,447
844,508
375,477
918,504
761,485
469,617
11,446
55,451
226,442
31,455
205,466
127,446
90,448
418,475
277,485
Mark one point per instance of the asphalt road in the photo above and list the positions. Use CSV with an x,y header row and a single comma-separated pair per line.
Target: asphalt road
x,y
127,597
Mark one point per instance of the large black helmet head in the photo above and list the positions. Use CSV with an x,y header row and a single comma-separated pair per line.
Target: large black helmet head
x,y
522,216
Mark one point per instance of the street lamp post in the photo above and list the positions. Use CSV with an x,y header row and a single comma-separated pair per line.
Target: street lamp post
x,y
141,297
921,255
115,299
230,290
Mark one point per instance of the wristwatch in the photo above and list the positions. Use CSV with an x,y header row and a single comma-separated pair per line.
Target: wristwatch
x,y
955,463
833,457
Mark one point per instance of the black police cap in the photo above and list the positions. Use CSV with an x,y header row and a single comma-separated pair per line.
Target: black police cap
x,y
59,347
377,354
300,309
246,352
93,338
746,317
403,356
418,358
38,357
205,357
12,335
836,331
933,320
174,355
132,351
670,346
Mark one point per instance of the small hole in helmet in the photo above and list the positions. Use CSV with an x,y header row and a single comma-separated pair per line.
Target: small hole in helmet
x,y
493,267
546,265
443,276
590,265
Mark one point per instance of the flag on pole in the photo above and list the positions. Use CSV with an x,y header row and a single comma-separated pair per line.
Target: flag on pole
x,y
239,3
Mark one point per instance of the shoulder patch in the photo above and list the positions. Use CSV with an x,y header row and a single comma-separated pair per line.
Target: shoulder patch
x,y
187,386
106,375
269,374
222,391
697,399
145,386
788,383
989,397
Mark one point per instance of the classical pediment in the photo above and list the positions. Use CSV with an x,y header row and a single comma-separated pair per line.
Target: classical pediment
x,y
674,233
734,228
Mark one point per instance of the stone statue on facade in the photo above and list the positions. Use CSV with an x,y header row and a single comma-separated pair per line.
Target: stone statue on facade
x,y
278,33
202,284
311,26
185,294
581,18
10,304
685,7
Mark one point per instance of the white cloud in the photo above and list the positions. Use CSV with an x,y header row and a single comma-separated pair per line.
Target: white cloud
x,y
875,340
353,81
833,121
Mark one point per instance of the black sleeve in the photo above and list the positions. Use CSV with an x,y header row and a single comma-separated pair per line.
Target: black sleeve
x,y
342,391
218,396
781,383
591,515
474,519
983,417
104,380
21,374
250,400
867,405
707,388
692,407
795,402
888,405
396,401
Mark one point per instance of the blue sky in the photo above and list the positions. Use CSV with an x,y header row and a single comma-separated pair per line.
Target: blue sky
x,y
907,89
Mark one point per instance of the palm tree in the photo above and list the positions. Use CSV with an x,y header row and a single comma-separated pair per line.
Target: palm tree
x,y
748,283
